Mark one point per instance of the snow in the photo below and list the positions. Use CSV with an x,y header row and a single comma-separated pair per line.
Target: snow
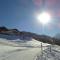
x,y
51,53
9,50
27,54
34,42
21,51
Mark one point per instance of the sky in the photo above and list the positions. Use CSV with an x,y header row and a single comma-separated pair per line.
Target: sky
x,y
21,14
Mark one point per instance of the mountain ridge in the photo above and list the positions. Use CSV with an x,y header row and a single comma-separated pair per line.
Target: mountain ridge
x,y
23,35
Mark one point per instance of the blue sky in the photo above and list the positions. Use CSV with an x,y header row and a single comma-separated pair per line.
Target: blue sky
x,y
20,14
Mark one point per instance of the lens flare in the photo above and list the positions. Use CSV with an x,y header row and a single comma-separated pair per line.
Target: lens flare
x,y
44,17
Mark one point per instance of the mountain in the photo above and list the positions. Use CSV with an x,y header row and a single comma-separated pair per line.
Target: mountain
x,y
57,36
14,34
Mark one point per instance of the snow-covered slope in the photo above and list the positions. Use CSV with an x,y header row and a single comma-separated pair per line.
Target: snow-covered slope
x,y
20,50
10,52
8,46
51,53
36,43
31,43
7,42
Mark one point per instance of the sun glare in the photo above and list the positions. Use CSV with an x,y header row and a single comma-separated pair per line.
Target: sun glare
x,y
44,17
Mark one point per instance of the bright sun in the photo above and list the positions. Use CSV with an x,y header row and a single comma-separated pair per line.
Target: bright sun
x,y
44,17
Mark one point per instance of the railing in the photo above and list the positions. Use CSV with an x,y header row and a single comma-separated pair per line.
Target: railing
x,y
48,53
